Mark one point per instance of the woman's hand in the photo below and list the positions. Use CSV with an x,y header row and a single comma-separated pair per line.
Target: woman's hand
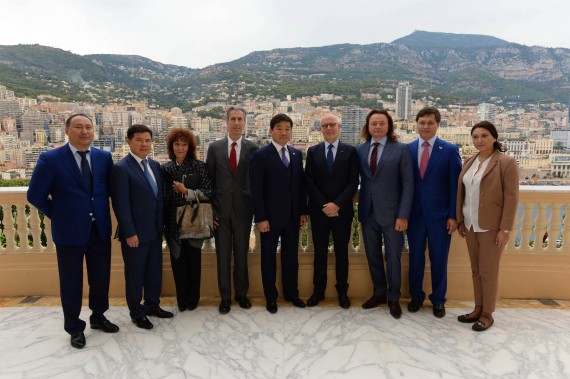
x,y
461,230
179,188
502,238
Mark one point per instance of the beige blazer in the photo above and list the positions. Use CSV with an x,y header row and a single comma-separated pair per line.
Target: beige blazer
x,y
499,193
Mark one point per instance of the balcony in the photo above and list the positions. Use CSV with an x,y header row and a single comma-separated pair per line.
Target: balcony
x,y
536,263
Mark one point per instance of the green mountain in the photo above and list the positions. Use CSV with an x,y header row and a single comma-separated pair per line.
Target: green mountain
x,y
453,67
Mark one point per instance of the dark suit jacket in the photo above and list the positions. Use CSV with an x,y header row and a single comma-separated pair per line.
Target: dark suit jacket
x,y
435,195
230,189
138,211
498,194
390,191
278,192
57,189
337,187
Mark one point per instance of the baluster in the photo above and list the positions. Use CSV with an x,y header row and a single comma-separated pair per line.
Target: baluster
x,y
35,229
256,240
526,228
50,246
208,246
566,231
540,227
310,246
554,228
9,230
22,224
360,247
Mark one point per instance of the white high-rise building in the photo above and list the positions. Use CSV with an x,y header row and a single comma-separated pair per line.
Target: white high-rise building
x,y
486,112
404,101
353,119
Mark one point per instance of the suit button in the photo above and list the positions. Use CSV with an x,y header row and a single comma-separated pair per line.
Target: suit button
x,y
91,214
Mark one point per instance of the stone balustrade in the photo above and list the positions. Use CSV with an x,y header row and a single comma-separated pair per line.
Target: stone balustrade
x,y
536,263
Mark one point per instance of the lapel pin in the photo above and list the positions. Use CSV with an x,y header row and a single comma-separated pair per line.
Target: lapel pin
x,y
440,148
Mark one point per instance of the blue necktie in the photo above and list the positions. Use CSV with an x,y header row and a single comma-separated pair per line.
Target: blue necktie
x,y
86,170
330,158
149,177
284,157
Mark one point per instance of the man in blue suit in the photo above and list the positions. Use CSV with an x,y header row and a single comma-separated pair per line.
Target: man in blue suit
x,y
136,191
386,192
332,179
69,186
436,171
279,208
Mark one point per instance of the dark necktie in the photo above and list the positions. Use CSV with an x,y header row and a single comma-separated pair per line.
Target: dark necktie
x,y
424,159
86,170
374,157
284,157
233,158
149,177
330,158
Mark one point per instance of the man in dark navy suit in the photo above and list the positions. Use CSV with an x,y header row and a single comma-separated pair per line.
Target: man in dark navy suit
x,y
136,191
69,186
332,179
279,207
437,165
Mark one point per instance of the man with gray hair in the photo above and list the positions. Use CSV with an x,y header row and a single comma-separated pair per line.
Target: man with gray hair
x,y
331,175
228,166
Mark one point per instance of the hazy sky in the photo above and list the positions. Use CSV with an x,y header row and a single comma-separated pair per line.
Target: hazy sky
x,y
200,33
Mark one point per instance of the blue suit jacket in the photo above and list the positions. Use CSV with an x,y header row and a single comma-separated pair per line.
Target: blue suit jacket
x,y
278,192
138,211
391,189
57,189
435,195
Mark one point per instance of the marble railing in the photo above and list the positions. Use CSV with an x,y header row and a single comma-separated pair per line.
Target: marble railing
x,y
536,260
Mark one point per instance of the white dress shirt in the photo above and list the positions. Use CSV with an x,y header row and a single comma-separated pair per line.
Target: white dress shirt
x,y
472,182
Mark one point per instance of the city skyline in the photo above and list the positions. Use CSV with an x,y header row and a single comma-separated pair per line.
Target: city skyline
x,y
198,34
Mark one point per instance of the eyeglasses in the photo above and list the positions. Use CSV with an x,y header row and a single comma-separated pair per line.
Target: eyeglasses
x,y
331,125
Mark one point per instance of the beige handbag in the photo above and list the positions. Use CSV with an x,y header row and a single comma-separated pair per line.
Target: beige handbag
x,y
195,220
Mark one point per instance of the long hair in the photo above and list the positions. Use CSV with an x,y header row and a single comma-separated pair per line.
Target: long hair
x,y
365,133
184,135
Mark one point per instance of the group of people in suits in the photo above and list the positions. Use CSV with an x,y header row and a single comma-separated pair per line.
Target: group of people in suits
x,y
419,188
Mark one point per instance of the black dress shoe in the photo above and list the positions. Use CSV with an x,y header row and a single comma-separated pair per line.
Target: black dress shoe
x,y
243,302
479,326
271,307
225,307
182,308
374,301
106,326
414,306
466,319
439,310
143,322
160,313
192,306
78,340
297,302
315,299
343,301
395,309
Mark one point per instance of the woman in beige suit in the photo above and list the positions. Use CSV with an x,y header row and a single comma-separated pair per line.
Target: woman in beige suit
x,y
487,200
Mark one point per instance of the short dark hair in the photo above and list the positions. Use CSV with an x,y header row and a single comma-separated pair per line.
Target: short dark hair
x,y
493,130
278,118
138,128
365,133
68,121
426,111
184,135
231,109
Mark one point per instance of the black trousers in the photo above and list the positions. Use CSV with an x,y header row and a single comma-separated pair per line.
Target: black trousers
x,y
186,270
321,227
97,253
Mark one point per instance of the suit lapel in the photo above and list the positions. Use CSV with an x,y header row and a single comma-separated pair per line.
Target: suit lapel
x,y
339,154
386,152
436,153
69,161
138,171
275,157
494,161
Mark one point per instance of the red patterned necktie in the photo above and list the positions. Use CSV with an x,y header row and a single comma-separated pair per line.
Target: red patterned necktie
x,y
425,158
373,158
233,159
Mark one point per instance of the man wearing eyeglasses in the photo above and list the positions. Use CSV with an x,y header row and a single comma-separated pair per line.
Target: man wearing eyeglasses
x,y
331,175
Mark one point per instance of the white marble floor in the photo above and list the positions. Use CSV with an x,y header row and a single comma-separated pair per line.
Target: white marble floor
x,y
321,342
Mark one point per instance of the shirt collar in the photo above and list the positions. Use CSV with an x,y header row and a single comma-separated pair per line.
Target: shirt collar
x,y
75,150
238,142
382,141
335,144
